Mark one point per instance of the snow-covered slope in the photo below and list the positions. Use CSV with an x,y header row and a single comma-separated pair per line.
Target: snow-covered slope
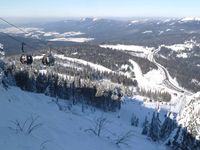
x,y
189,116
80,61
62,126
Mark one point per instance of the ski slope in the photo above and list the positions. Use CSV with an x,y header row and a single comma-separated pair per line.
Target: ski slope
x,y
63,129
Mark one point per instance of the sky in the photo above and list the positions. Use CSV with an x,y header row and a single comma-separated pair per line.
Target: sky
x,y
99,8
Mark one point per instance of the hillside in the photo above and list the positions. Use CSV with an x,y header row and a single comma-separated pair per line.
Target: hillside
x,y
62,125
115,84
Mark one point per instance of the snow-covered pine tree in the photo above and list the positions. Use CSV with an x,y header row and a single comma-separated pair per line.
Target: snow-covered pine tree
x,y
167,127
154,129
134,120
145,125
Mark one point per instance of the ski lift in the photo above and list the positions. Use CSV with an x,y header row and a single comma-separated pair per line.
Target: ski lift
x,y
26,58
48,60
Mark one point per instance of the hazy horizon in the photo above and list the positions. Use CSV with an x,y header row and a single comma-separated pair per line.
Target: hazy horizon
x,y
52,19
99,8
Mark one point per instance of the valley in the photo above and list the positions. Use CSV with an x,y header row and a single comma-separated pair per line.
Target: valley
x,y
139,76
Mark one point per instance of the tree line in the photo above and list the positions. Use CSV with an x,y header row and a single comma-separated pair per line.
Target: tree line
x,y
74,90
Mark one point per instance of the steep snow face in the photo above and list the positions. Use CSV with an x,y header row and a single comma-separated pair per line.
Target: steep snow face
x,y
190,116
62,128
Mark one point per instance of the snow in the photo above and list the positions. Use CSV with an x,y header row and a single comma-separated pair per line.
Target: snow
x,y
61,129
80,61
141,50
56,34
43,71
38,57
187,19
146,32
14,30
70,65
78,40
167,30
189,116
133,22
154,76
72,33
187,45
1,46
151,80
195,81
51,34
96,19
182,55
125,67
161,32
2,53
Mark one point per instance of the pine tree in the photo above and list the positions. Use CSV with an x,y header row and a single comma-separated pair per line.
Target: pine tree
x,y
145,125
134,120
155,127
167,127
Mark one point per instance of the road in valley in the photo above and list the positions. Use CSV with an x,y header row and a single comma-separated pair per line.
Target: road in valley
x,y
167,78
